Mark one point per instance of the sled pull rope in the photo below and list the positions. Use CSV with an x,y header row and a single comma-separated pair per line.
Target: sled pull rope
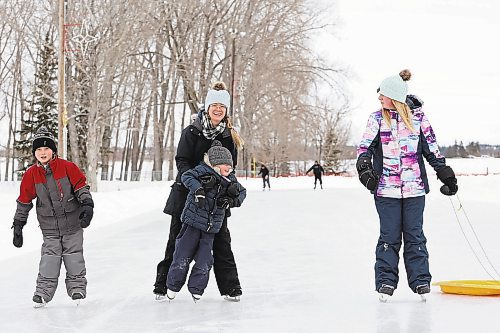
x,y
455,210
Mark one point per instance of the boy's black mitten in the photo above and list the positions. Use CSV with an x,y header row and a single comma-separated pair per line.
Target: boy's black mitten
x,y
367,175
86,212
225,202
208,181
232,190
447,176
18,233
199,197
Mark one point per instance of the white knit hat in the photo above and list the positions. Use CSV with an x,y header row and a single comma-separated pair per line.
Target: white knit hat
x,y
395,87
217,96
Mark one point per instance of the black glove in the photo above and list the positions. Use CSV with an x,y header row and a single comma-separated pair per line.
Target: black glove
x,y
367,175
86,212
225,202
199,197
208,181
447,176
18,233
232,190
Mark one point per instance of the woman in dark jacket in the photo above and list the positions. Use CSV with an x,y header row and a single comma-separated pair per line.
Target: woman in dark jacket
x,y
195,141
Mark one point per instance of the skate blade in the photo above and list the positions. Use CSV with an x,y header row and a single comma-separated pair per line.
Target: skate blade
x,y
39,305
383,298
423,298
161,298
232,299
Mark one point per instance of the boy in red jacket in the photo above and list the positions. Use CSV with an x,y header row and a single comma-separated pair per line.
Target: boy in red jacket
x,y
64,206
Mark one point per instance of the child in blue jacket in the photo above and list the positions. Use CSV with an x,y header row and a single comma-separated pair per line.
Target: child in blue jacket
x,y
213,189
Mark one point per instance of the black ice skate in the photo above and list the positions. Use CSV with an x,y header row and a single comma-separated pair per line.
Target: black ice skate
x,y
77,297
384,292
422,290
160,291
233,295
160,285
38,302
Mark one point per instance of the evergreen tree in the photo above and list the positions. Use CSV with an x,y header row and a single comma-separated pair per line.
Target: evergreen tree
x,y
473,149
41,106
461,150
332,152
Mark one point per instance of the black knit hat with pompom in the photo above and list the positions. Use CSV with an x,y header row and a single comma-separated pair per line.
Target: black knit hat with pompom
x,y
43,138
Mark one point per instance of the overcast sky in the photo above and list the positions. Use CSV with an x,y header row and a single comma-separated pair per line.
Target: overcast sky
x,y
451,47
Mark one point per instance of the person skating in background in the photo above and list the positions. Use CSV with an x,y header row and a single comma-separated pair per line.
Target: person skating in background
x,y
64,206
211,124
212,190
264,172
318,170
390,164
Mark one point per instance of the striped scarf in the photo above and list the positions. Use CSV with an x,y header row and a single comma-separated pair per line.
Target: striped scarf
x,y
209,131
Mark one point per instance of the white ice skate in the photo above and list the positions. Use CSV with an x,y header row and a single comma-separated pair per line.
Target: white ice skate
x,y
171,294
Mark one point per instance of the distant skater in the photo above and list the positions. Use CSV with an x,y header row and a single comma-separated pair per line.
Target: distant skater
x,y
317,169
264,172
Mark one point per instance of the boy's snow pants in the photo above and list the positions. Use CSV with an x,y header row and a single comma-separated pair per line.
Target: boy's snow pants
x,y
191,244
66,248
401,219
226,273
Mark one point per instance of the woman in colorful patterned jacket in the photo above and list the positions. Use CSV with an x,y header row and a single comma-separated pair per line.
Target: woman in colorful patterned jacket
x,y
398,138
63,206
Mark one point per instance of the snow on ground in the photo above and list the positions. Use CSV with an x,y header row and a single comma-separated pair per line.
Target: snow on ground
x,y
305,259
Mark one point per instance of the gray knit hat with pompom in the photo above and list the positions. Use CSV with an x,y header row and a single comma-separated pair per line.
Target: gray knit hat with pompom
x,y
218,155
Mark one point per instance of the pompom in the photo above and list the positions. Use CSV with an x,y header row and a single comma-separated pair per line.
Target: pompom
x,y
219,85
405,74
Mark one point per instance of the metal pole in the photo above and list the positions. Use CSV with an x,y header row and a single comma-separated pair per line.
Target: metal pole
x,y
233,61
61,88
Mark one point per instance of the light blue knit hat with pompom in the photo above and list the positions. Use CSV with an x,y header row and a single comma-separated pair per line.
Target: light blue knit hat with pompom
x,y
395,87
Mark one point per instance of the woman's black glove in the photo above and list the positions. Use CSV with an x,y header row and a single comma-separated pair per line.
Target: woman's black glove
x,y
367,175
86,212
232,190
447,176
18,233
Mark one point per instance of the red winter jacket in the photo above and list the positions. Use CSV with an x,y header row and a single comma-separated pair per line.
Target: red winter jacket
x,y
59,188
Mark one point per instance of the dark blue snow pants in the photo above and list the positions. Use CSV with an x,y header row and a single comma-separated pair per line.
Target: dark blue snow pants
x,y
191,244
401,219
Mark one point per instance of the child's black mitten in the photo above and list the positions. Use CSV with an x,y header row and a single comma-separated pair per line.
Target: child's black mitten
x,y
208,181
232,190
225,202
199,197
18,233
86,212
